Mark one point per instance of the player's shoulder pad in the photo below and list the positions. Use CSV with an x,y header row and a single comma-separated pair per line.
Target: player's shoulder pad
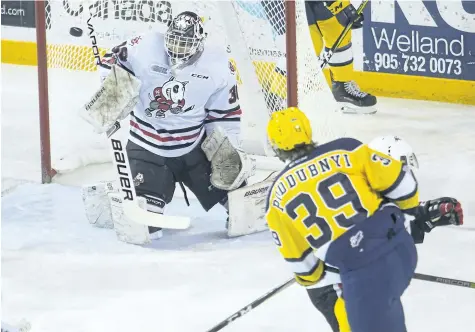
x,y
215,52
145,42
218,61
150,37
344,143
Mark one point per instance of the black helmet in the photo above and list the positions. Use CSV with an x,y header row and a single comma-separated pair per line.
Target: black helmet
x,y
184,38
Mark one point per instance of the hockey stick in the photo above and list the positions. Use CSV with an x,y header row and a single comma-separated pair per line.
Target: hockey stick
x,y
331,51
427,277
442,280
241,312
121,164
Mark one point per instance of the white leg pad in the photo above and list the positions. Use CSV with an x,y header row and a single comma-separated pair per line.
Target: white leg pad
x,y
96,203
127,230
247,208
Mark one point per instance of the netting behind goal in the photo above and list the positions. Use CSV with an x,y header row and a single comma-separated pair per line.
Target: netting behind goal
x,y
252,32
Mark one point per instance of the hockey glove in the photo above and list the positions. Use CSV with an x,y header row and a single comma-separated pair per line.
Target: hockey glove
x,y
120,51
230,166
113,101
439,212
116,54
345,13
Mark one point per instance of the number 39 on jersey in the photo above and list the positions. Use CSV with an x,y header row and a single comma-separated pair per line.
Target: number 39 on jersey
x,y
317,198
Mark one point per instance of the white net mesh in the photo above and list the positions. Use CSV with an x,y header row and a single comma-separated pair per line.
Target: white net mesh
x,y
252,31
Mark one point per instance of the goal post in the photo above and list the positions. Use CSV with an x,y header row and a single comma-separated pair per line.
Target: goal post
x,y
291,60
45,144
267,41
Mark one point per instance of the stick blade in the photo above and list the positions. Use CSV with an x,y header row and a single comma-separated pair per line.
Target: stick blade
x,y
144,217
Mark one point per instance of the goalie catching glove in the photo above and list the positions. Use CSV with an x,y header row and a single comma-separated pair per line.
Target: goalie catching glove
x,y
230,166
114,100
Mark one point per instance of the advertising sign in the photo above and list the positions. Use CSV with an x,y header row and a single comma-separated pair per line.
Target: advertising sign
x,y
18,13
420,38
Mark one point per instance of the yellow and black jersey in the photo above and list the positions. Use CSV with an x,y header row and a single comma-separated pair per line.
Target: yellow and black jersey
x,y
317,198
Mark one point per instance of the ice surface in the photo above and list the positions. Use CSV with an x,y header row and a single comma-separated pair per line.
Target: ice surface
x,y
62,274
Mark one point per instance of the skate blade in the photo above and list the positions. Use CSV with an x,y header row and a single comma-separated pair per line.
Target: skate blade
x,y
347,108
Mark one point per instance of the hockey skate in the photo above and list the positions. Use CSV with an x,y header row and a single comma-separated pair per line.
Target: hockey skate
x,y
352,100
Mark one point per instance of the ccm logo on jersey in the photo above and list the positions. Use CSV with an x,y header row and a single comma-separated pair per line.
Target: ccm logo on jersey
x,y
200,76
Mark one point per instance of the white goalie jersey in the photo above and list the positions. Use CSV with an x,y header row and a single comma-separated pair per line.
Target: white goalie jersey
x,y
176,109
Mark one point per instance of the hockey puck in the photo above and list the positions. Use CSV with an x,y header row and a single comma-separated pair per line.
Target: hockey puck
x,y
76,32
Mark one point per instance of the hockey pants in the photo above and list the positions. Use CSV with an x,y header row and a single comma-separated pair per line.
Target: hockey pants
x,y
377,259
160,175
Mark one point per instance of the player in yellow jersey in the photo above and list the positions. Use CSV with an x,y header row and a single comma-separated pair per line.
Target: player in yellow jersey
x,y
342,203
326,21
326,294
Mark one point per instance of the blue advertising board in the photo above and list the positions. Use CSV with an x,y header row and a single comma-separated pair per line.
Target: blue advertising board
x,y
420,38
18,13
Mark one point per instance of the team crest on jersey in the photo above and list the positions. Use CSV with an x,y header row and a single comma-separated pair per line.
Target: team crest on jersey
x,y
168,97
138,179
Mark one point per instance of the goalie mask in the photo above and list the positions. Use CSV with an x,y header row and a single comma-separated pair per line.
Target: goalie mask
x,y
184,39
397,148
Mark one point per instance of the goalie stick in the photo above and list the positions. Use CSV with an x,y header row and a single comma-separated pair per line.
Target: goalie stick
x,y
122,168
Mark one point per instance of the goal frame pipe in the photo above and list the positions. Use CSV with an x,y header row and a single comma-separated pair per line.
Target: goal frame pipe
x,y
47,171
291,52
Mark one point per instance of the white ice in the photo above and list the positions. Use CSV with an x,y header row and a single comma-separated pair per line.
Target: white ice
x,y
61,274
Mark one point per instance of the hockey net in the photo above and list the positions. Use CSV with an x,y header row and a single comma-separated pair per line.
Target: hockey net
x,y
253,33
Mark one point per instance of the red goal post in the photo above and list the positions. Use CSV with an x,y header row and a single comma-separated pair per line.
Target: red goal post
x,y
47,171
268,42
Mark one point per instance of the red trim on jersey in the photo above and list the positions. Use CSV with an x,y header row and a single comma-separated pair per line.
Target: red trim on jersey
x,y
237,112
164,139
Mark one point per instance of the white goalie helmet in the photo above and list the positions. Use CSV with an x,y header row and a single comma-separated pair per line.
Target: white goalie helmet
x,y
397,148
184,39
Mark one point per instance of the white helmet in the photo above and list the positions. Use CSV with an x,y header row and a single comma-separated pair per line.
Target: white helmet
x,y
396,147
184,39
